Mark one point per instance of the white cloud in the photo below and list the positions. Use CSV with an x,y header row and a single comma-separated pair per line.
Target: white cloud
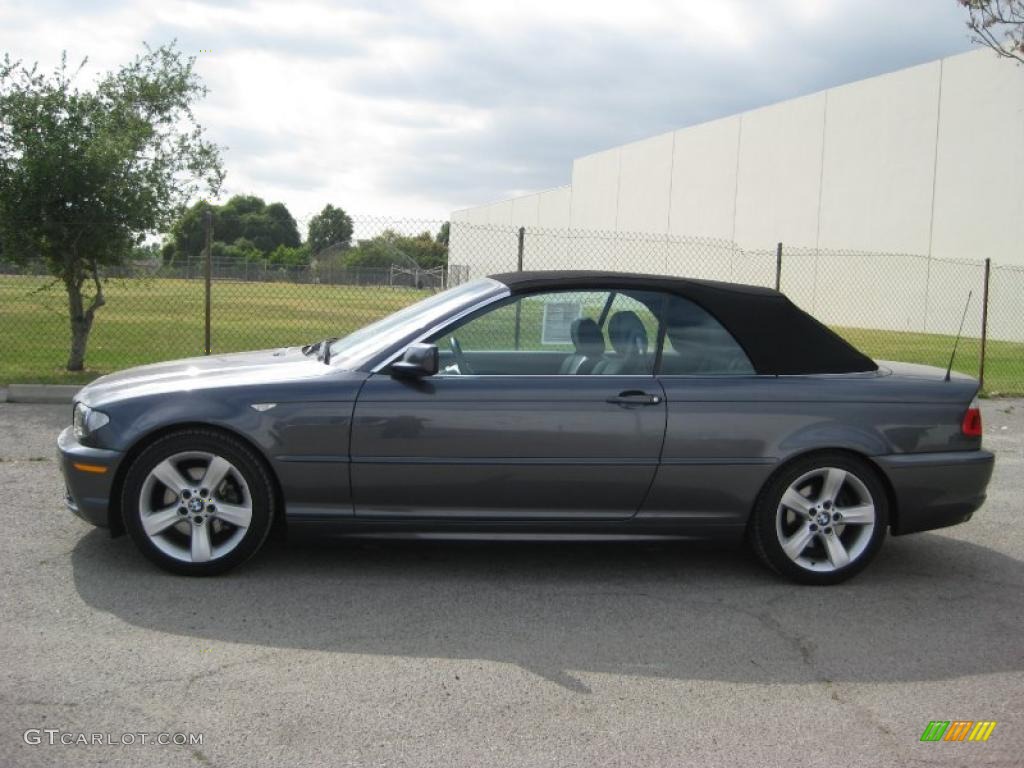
x,y
416,108
695,21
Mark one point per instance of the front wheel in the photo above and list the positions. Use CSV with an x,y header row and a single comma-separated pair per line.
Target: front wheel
x,y
197,502
821,519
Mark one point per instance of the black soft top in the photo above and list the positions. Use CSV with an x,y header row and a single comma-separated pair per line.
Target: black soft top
x,y
778,336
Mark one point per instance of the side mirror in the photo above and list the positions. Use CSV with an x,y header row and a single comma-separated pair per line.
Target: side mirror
x,y
417,362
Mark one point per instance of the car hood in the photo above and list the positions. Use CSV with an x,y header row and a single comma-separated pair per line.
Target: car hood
x,y
268,366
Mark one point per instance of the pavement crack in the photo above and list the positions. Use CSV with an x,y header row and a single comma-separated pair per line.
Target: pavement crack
x,y
39,703
798,642
195,677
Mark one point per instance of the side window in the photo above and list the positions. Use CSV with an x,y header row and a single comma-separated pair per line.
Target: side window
x,y
696,343
556,333
632,330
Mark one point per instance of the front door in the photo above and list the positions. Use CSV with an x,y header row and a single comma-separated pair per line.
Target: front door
x,y
545,407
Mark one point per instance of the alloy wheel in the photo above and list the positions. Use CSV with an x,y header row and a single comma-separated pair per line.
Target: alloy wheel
x,y
825,519
195,506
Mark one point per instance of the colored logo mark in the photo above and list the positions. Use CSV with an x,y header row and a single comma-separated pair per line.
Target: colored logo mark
x,y
958,730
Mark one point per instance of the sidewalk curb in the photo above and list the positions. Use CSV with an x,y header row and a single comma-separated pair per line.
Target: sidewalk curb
x,y
40,393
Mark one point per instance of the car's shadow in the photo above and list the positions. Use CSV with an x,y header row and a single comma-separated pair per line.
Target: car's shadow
x,y
929,608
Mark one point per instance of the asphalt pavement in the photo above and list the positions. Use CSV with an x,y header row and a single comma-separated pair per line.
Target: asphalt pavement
x,y
408,654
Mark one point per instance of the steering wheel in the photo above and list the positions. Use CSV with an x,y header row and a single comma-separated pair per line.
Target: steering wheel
x,y
460,359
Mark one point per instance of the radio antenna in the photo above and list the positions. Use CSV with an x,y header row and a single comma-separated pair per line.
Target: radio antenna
x,y
956,341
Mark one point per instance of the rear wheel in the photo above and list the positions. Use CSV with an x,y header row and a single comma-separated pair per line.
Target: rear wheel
x,y
821,519
197,502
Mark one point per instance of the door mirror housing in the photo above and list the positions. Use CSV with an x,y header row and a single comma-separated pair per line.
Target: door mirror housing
x,y
417,362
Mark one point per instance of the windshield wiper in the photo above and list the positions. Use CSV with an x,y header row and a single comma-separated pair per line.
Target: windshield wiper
x,y
324,349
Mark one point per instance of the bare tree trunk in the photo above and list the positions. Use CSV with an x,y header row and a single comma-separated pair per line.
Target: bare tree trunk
x,y
80,316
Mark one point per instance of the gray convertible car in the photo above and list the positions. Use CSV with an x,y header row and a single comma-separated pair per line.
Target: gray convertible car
x,y
538,404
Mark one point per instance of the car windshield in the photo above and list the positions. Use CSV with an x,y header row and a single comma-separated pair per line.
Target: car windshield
x,y
358,347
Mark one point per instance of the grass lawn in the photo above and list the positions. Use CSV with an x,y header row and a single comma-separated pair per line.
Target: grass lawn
x,y
149,320
1004,360
145,321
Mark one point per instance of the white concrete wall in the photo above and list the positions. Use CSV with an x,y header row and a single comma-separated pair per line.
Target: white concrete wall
x,y
779,176
645,182
595,191
979,175
526,211
703,181
926,161
550,251
554,207
879,162
485,238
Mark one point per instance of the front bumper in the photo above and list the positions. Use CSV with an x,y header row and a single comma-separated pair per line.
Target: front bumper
x,y
88,477
936,490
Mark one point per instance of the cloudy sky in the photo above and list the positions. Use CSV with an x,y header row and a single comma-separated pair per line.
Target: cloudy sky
x,y
417,107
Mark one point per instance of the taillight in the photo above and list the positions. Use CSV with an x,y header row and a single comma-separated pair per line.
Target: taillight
x,y
971,425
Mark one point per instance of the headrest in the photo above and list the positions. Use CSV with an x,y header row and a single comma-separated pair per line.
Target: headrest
x,y
627,334
587,337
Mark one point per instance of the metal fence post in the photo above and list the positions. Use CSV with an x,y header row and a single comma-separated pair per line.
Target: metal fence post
x,y
208,225
984,324
519,268
778,266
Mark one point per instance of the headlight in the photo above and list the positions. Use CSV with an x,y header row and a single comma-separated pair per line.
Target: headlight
x,y
86,420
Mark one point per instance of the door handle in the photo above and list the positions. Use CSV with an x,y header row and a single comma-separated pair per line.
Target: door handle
x,y
634,397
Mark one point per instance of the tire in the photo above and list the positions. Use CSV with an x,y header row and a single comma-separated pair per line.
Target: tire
x,y
186,527
795,530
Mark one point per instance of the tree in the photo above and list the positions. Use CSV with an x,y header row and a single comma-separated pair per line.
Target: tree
x,y
422,251
999,24
85,174
240,250
187,235
146,253
287,256
282,228
444,233
247,217
331,227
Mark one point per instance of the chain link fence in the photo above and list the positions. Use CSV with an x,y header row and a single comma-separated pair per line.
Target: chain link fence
x,y
892,306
